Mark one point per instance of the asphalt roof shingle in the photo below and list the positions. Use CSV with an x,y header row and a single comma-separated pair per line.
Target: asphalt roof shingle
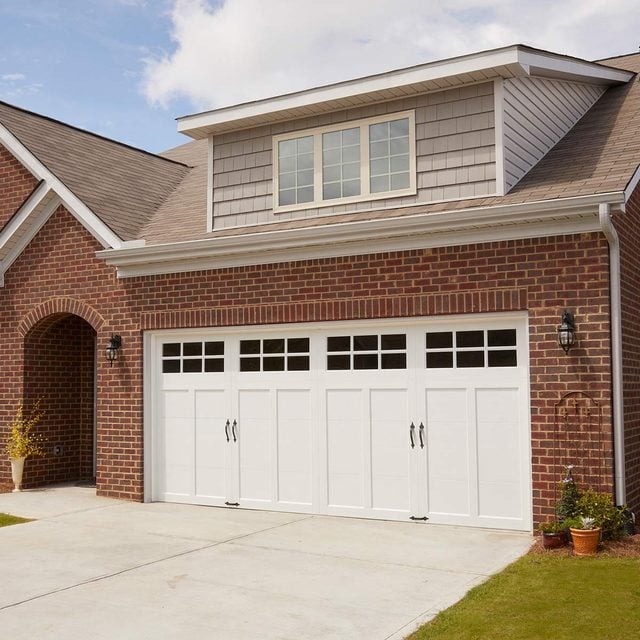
x,y
163,199
123,186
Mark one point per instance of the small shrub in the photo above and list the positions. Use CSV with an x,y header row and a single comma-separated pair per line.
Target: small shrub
x,y
552,527
600,507
22,442
573,523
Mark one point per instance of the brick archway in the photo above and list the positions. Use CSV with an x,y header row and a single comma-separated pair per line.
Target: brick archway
x,y
59,370
58,307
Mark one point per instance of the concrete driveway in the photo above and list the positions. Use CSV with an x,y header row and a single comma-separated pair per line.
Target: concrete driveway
x,y
92,567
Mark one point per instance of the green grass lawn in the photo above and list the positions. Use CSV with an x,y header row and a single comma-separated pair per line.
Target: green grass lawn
x,y
6,520
550,596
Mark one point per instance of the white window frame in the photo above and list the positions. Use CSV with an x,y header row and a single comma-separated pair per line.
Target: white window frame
x,y
365,186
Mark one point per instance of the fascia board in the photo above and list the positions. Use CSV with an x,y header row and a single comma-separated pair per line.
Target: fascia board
x,y
553,66
632,184
423,73
89,220
34,200
36,220
519,60
419,241
452,227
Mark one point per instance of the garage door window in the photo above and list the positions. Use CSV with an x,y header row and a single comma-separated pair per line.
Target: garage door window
x,y
471,349
367,352
274,354
193,357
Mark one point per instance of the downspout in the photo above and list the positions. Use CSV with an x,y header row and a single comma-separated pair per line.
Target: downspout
x,y
611,235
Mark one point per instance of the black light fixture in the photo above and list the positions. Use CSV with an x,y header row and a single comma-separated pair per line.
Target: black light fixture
x,y
567,331
113,348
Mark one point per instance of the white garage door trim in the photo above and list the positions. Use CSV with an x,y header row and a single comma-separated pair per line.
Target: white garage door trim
x,y
446,389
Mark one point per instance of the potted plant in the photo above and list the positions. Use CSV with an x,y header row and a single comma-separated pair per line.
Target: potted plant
x,y
600,507
554,534
585,535
23,442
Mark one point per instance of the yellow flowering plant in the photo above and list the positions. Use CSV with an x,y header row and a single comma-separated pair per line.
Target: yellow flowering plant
x,y
22,441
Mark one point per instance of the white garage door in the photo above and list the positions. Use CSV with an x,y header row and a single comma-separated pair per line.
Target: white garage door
x,y
423,420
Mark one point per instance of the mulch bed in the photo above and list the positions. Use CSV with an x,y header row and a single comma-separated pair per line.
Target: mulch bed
x,y
627,547
6,488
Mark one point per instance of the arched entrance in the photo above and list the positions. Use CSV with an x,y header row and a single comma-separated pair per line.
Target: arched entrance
x,y
59,368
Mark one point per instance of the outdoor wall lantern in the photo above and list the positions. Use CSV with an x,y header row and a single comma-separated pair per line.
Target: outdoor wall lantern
x,y
113,349
567,331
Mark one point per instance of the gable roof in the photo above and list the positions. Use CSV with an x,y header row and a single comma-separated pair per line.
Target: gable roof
x,y
163,199
122,185
506,62
599,155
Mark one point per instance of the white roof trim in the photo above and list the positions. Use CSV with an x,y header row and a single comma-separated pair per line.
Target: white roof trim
x,y
515,60
19,218
447,228
89,220
553,65
632,184
34,212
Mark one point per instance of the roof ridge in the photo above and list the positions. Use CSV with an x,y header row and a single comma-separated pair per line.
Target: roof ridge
x,y
622,55
89,133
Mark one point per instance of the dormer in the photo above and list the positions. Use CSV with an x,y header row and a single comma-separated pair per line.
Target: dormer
x,y
464,128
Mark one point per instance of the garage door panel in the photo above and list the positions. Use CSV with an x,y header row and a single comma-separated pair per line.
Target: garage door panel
x,y
254,444
177,452
499,446
175,448
447,445
345,447
211,451
390,463
294,435
176,403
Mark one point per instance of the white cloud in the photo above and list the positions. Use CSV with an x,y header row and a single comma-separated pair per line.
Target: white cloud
x,y
12,77
13,86
237,50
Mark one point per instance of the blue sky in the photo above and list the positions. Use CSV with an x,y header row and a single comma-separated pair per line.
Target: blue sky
x,y
127,68
82,61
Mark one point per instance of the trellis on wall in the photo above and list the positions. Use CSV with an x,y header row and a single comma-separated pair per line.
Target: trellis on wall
x,y
580,441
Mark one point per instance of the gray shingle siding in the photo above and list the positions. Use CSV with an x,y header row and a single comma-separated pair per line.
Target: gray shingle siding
x,y
455,146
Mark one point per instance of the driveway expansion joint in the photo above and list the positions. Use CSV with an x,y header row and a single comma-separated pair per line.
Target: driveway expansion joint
x,y
142,565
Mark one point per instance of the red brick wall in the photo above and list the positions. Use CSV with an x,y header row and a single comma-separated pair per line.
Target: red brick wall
x,y
628,226
59,370
16,183
542,276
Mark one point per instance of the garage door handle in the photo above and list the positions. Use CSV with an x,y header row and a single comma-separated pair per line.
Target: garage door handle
x,y
412,428
421,432
226,430
233,430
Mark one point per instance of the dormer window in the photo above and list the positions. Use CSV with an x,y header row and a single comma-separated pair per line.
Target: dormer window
x,y
295,170
366,160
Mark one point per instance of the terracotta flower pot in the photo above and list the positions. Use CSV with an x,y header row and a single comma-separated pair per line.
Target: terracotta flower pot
x,y
585,541
17,468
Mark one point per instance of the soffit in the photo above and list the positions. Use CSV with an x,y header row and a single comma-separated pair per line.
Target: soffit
x,y
507,62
